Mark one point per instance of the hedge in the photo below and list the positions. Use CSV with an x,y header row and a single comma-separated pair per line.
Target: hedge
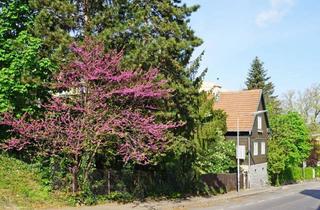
x,y
291,175
317,171
308,173
295,174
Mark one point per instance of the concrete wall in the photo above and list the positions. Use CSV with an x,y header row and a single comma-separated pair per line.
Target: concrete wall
x,y
257,175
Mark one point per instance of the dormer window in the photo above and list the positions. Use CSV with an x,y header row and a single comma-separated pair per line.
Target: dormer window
x,y
259,123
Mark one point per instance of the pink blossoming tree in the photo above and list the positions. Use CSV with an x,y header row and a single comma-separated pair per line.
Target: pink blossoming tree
x,y
96,104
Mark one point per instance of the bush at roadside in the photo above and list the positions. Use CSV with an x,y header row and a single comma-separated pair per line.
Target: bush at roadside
x,y
308,173
317,171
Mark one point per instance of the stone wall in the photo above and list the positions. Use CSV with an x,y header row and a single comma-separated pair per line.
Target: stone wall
x,y
257,175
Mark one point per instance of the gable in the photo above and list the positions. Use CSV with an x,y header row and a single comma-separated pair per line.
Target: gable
x,y
240,105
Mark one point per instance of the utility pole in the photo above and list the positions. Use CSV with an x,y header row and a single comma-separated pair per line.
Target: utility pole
x,y
249,146
238,158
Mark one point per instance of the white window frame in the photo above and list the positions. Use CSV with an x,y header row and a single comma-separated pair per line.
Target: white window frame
x,y
255,148
263,148
259,123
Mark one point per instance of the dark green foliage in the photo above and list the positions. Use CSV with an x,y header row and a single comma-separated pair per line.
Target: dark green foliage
x,y
34,40
119,196
257,79
291,175
150,33
214,153
54,23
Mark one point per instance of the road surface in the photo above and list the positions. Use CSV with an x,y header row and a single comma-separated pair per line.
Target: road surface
x,y
304,196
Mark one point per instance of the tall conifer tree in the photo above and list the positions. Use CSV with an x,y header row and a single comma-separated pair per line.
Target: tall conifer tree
x,y
150,33
258,79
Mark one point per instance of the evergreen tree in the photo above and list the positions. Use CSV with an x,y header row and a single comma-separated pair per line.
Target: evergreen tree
x,y
55,24
258,79
150,33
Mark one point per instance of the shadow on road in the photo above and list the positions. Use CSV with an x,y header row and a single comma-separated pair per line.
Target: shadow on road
x,y
312,193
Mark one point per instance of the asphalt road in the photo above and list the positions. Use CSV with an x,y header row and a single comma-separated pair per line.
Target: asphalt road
x,y
295,197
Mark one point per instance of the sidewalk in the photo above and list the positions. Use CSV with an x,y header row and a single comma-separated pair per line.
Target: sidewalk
x,y
177,204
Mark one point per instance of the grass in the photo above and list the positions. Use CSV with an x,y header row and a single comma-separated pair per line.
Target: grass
x,y
21,187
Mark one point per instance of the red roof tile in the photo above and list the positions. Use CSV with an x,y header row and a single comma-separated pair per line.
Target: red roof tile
x,y
239,104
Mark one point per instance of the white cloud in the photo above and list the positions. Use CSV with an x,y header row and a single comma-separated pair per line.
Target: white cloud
x,y
278,9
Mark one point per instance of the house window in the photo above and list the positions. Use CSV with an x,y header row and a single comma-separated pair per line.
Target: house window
x,y
263,148
255,148
259,123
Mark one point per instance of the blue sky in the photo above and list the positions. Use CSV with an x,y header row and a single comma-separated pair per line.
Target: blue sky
x,y
285,34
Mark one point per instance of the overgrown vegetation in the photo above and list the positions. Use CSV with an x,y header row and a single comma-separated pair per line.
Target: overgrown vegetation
x,y
122,128
21,186
289,145
119,115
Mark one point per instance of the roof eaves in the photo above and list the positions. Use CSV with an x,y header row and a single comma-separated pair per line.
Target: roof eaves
x,y
254,116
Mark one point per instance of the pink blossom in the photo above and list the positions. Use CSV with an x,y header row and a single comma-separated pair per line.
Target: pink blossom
x,y
101,100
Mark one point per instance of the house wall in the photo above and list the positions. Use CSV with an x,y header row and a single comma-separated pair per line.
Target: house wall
x,y
258,175
257,171
259,136
243,140
255,159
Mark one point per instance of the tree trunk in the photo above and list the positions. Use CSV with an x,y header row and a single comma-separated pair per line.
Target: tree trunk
x,y
75,184
109,185
277,180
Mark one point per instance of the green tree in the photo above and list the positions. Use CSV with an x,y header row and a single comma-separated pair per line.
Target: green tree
x,y
219,157
290,143
23,73
214,153
276,161
150,33
54,23
257,79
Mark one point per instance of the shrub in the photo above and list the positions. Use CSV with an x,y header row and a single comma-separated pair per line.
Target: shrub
x,y
291,175
308,173
297,173
119,196
317,171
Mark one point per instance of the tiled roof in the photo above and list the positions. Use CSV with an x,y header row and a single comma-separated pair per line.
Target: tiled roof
x,y
240,104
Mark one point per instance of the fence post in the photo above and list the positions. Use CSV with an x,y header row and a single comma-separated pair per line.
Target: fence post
x,y
108,177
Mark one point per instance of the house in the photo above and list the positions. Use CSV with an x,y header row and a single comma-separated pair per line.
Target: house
x,y
246,110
